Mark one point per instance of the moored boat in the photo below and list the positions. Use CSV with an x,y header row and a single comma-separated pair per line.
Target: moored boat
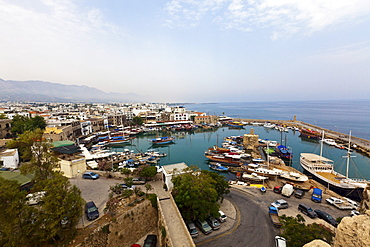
x,y
322,170
162,140
218,167
310,134
118,140
224,160
284,152
235,124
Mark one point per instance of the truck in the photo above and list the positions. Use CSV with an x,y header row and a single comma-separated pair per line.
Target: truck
x,y
287,190
274,216
316,195
340,204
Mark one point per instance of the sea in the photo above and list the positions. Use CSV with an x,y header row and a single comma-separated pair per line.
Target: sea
x,y
342,116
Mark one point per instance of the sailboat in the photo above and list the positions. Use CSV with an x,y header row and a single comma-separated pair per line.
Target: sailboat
x,y
322,170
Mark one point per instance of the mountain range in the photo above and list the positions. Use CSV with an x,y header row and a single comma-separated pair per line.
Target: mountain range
x,y
42,91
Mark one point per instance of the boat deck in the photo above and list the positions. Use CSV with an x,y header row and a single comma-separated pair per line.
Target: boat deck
x,y
330,176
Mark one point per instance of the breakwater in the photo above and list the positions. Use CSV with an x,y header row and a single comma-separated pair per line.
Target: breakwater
x,y
359,144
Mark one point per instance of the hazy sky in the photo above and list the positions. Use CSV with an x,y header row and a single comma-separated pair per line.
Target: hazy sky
x,y
193,51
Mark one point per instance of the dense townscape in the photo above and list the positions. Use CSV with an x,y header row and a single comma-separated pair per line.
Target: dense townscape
x,y
51,150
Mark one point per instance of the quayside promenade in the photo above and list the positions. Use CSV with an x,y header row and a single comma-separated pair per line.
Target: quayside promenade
x,y
359,144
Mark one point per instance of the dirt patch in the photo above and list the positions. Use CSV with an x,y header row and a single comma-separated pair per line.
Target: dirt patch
x,y
131,221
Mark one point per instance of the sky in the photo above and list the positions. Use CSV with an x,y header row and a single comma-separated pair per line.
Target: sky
x,y
192,51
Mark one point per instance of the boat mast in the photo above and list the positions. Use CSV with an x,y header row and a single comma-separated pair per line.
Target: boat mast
x,y
322,140
348,154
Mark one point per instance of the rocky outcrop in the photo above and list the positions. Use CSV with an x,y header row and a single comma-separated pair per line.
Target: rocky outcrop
x,y
355,231
317,243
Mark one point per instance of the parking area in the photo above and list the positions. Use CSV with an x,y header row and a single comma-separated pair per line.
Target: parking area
x,y
265,199
94,190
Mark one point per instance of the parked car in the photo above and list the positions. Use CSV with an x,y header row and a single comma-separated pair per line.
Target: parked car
x,y
125,187
192,229
299,193
222,217
150,241
213,223
203,226
280,204
280,241
307,210
277,189
90,175
91,211
138,181
327,217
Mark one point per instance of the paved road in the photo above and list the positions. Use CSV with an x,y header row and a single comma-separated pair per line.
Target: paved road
x,y
253,229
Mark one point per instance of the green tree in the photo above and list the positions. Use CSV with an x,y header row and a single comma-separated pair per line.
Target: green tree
x,y
195,195
148,187
148,171
126,171
14,212
137,120
298,234
60,209
128,181
220,184
21,124
3,116
28,143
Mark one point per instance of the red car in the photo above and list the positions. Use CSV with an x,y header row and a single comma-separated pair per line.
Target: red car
x,y
277,189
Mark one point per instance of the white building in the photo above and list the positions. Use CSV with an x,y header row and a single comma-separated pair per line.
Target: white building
x,y
169,171
10,158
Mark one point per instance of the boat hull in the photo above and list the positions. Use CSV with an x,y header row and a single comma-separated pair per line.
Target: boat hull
x,y
352,192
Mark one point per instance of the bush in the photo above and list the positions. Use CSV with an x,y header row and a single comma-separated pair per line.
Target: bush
x,y
153,199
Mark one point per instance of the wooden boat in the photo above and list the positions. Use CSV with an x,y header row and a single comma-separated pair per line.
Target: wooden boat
x,y
234,124
162,140
310,134
223,160
216,149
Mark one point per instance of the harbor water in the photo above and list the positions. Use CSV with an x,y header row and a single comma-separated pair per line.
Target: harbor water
x,y
189,147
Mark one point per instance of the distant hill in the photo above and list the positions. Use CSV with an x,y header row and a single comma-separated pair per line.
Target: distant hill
x,y
41,91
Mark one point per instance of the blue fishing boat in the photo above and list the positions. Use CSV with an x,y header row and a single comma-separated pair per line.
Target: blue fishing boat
x,y
162,140
118,140
284,152
218,167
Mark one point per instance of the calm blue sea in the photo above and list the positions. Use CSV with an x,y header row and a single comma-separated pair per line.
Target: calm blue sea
x,y
343,116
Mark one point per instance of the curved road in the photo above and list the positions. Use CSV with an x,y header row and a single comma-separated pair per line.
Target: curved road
x,y
254,228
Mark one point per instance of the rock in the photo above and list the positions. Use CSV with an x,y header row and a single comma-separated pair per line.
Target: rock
x,y
317,243
353,231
